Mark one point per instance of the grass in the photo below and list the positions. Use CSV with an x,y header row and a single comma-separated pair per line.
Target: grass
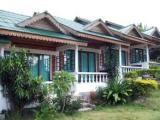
x,y
148,110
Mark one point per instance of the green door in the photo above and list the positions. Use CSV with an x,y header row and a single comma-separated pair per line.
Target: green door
x,y
91,64
83,62
123,58
87,62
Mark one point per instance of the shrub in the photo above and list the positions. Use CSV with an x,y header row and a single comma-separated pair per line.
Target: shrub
x,y
141,88
151,84
18,84
135,74
45,112
157,75
153,66
132,74
64,101
116,92
70,106
63,82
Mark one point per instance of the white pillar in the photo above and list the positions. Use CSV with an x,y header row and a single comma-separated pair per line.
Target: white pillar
x,y
76,62
2,52
120,62
147,55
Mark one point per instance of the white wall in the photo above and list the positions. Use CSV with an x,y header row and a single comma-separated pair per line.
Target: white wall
x,y
3,101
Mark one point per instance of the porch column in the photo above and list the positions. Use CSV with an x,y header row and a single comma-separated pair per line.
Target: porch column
x,y
2,52
120,62
147,55
76,61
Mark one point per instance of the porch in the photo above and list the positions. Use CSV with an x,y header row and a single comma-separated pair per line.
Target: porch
x,y
86,63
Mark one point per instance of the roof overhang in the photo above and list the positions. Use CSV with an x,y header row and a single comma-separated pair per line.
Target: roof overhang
x,y
96,38
102,39
133,38
41,16
96,23
40,37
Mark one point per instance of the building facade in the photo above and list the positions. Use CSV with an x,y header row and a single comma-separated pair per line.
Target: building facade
x,y
77,46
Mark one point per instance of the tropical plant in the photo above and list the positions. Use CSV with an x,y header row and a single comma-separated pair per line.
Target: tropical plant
x,y
142,27
45,112
71,104
18,84
116,92
63,81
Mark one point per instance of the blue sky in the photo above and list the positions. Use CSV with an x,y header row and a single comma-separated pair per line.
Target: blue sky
x,y
120,11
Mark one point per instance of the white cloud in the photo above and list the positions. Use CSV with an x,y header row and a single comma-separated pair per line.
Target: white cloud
x,y
121,11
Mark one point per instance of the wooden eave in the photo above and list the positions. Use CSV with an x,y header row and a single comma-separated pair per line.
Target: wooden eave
x,y
134,27
40,37
132,38
152,38
102,39
96,23
41,16
96,38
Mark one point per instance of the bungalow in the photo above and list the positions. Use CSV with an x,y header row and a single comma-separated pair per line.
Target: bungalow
x,y
76,46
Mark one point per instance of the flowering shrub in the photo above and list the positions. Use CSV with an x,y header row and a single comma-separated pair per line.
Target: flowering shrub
x,y
142,87
147,83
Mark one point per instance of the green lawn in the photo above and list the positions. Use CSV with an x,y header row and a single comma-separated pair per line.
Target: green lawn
x,y
148,110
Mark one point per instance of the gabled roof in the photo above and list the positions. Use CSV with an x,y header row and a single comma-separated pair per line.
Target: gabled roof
x,y
96,24
20,23
39,16
9,21
131,28
153,32
80,28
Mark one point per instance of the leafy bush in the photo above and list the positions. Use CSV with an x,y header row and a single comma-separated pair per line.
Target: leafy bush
x,y
63,82
70,106
64,101
153,66
157,75
45,112
132,74
18,84
147,83
142,87
116,92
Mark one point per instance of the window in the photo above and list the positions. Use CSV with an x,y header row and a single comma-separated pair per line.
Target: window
x,y
87,62
138,55
40,66
69,60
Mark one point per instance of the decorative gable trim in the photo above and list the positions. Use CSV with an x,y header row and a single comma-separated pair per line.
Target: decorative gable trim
x,y
95,23
38,17
132,29
156,31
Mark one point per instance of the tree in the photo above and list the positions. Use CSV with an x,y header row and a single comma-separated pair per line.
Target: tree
x,y
142,27
18,84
